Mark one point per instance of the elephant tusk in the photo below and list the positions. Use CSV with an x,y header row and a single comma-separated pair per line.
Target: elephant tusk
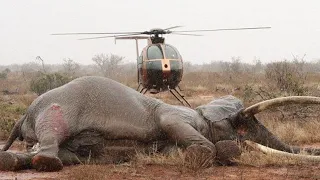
x,y
281,101
270,151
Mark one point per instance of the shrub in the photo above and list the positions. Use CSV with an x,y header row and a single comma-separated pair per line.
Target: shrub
x,y
3,75
289,77
46,82
248,93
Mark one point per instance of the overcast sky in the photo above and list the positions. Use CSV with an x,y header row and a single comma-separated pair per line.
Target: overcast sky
x,y
25,28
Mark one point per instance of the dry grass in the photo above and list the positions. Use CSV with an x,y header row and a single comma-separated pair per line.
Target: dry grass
x,y
296,133
121,171
9,113
12,107
293,131
258,159
135,169
175,158
145,166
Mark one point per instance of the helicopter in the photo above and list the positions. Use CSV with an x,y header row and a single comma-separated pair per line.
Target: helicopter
x,y
159,65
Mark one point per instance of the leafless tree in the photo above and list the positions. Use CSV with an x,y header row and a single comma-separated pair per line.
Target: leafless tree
x,y
235,65
258,66
108,64
288,76
42,62
70,67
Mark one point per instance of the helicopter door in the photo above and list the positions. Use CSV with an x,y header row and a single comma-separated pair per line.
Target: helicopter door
x,y
139,64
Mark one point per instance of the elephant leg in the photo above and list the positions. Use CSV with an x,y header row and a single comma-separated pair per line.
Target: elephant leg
x,y
197,145
19,161
51,129
15,161
183,133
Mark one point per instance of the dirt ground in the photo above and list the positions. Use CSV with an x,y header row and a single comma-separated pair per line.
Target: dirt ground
x,y
161,172
154,171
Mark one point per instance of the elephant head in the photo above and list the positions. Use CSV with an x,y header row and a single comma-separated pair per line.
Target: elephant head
x,y
229,120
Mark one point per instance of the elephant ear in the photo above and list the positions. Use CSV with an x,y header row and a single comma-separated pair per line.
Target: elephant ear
x,y
220,108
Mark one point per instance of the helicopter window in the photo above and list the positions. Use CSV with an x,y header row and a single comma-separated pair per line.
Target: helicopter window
x,y
171,53
155,52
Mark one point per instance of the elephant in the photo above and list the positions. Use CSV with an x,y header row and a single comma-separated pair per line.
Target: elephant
x,y
80,119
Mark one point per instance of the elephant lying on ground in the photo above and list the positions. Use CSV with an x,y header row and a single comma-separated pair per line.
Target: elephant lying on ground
x,y
78,120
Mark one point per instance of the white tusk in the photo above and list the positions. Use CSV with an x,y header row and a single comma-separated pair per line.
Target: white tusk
x,y
281,101
275,152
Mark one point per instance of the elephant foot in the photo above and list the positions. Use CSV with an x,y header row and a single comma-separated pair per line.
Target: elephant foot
x,y
45,163
199,156
8,161
13,162
227,151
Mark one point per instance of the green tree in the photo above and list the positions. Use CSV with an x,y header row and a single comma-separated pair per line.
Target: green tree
x,y
45,82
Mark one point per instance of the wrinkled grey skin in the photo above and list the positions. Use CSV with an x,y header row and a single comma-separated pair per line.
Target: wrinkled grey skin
x,y
78,120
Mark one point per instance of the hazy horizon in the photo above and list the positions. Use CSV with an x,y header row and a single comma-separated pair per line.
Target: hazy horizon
x,y
26,27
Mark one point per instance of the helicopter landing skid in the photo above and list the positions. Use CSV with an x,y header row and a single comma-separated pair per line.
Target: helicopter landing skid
x,y
174,92
143,90
179,97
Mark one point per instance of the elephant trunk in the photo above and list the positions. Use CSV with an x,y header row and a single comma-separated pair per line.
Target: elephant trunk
x,y
14,133
265,137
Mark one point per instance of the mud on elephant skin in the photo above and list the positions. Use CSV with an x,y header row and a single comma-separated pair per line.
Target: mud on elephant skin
x,y
77,122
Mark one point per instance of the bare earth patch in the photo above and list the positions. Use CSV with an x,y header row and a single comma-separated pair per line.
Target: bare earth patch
x,y
169,172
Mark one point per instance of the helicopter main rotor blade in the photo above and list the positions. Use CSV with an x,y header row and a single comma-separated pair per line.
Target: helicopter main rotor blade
x,y
173,27
186,34
227,29
115,36
115,33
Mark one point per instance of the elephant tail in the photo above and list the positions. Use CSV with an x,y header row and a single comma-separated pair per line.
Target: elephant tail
x,y
14,133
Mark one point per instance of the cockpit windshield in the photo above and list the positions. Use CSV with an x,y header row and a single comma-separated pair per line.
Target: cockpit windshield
x,y
171,53
154,52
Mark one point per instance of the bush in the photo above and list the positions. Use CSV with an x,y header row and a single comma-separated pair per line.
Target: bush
x,y
289,77
3,75
46,82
